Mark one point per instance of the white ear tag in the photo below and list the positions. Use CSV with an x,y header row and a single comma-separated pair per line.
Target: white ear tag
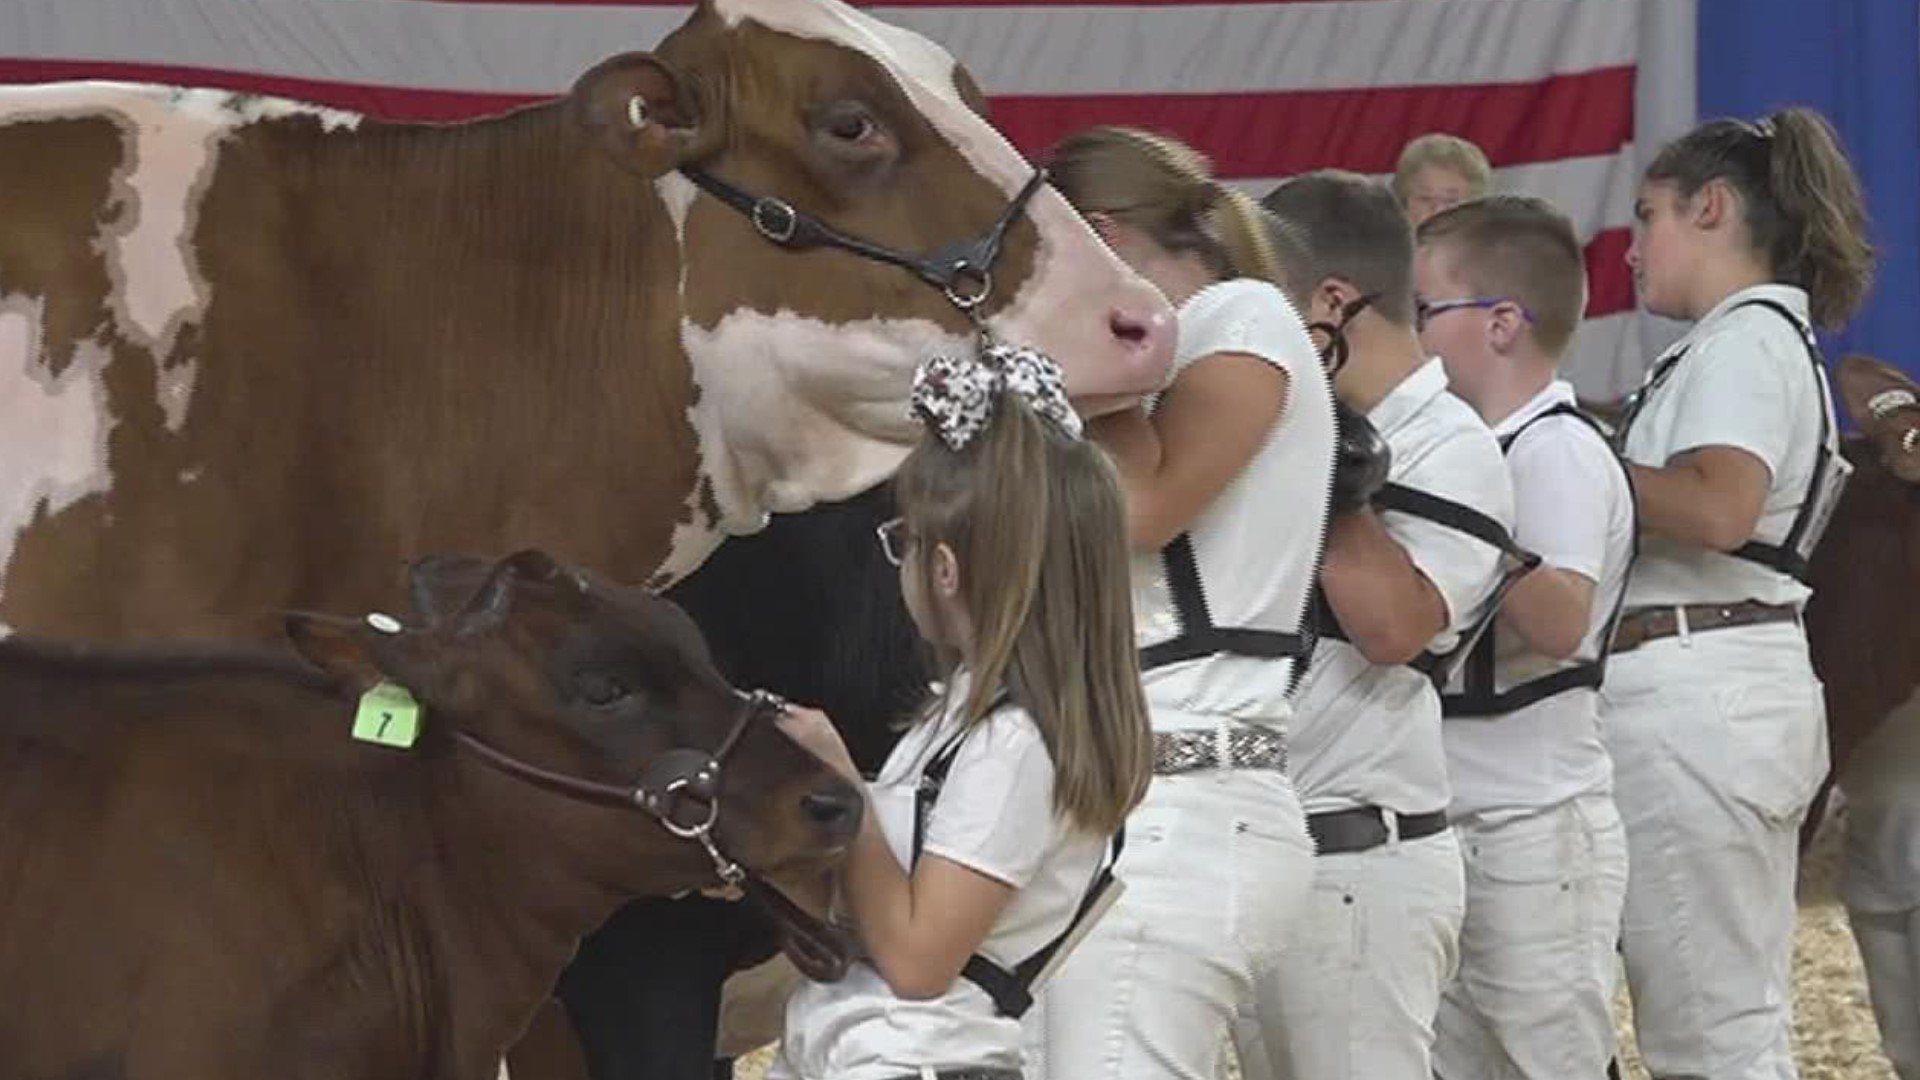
x,y
386,624
637,112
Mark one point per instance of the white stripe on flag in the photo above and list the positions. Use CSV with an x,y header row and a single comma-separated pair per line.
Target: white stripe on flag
x,y
1178,48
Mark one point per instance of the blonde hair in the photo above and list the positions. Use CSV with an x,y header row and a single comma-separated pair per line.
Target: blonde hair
x,y
1521,248
1802,201
1037,522
1450,152
1164,188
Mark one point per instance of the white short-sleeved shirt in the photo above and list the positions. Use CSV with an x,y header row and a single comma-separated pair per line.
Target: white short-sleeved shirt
x,y
1258,544
994,815
1364,733
1745,382
1573,508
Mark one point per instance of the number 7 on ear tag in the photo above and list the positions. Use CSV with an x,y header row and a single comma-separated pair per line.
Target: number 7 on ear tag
x,y
388,716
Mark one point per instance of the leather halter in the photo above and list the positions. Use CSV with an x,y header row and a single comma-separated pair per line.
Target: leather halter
x,y
962,271
673,775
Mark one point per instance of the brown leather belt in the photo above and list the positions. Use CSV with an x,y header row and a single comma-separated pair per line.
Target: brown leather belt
x,y
1641,625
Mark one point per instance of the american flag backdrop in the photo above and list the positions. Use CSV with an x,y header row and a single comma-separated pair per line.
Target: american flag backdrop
x,y
1567,97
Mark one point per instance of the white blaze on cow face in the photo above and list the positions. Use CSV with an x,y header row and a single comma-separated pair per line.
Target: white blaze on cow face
x,y
53,428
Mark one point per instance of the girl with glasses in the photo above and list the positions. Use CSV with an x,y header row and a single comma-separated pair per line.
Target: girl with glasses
x,y
988,826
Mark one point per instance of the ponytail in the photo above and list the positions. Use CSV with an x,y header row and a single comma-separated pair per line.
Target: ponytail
x,y
1802,200
1822,246
1240,226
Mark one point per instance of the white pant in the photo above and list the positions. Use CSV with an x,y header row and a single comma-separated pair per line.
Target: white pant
x,y
1534,994
1890,947
1718,742
1217,866
1356,990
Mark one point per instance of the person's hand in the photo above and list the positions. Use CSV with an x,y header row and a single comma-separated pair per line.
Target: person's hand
x,y
813,730
1361,459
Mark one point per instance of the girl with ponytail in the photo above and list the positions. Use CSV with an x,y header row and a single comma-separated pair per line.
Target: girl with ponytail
x,y
1755,232
1227,477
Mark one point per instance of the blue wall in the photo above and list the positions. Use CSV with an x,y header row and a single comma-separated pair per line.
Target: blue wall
x,y
1858,62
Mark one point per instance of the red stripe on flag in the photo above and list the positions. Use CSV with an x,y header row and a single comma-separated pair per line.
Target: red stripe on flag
x,y
1362,129
1252,134
1610,288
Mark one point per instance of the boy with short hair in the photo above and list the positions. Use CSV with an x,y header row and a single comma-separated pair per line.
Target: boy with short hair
x,y
1500,286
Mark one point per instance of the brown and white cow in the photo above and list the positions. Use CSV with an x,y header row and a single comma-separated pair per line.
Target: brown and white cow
x,y
204,876
255,353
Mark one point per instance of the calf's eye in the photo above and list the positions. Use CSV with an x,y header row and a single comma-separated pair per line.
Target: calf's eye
x,y
599,688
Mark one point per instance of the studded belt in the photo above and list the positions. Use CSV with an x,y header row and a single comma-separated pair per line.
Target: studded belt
x,y
962,1074
1227,746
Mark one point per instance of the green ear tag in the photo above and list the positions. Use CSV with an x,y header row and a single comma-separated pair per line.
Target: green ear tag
x,y
388,716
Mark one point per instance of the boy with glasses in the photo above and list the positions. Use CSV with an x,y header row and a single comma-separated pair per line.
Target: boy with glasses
x,y
1500,286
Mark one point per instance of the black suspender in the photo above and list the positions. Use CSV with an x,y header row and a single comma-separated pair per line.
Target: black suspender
x,y
1792,554
1011,991
1478,698
1198,635
1438,667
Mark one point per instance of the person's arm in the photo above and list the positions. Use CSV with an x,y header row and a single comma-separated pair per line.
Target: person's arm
x,y
1210,423
1388,608
1550,609
1734,422
920,928
1711,496
1567,490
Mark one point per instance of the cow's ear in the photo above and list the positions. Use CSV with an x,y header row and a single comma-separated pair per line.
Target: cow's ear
x,y
438,586
356,654
643,112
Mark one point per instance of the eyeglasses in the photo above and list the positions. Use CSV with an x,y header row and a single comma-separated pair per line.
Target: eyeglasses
x,y
894,539
1425,310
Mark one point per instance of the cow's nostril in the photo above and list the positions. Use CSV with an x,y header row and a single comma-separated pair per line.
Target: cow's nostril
x,y
1127,328
835,812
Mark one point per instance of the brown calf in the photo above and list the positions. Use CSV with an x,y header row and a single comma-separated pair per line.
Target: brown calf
x,y
204,876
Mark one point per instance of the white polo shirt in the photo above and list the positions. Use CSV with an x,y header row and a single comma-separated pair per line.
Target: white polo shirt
x,y
1573,508
1745,382
994,815
1257,546
1363,733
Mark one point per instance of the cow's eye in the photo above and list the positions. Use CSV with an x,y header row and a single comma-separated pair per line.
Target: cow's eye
x,y
600,689
849,122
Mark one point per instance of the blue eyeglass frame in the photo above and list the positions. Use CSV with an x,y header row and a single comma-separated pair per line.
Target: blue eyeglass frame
x,y
1425,310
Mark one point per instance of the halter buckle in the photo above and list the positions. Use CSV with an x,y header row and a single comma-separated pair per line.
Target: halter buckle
x,y
959,274
775,220
687,832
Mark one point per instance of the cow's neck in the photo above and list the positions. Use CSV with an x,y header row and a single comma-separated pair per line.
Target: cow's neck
x,y
522,875
516,370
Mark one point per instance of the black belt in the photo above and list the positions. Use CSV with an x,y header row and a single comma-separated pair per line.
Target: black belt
x,y
1343,832
965,1074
